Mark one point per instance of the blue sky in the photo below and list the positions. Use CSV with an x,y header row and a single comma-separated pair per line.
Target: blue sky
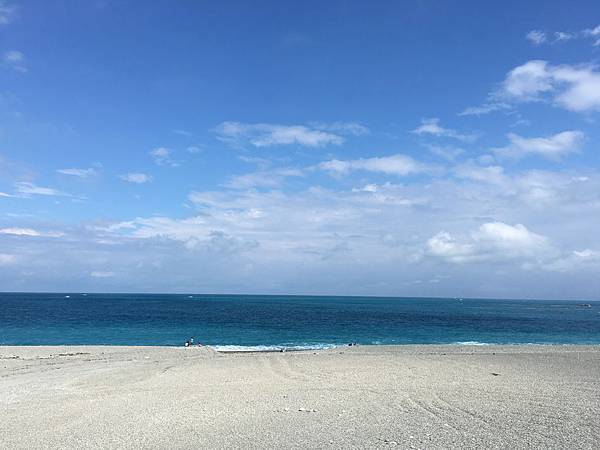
x,y
390,148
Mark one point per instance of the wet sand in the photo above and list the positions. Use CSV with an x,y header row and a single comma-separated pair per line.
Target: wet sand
x,y
350,397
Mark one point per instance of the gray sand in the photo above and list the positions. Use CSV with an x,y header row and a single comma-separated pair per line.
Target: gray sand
x,y
351,397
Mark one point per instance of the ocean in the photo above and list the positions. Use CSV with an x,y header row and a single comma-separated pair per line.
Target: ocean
x,y
244,322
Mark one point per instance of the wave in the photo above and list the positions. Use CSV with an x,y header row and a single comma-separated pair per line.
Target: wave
x,y
470,343
270,348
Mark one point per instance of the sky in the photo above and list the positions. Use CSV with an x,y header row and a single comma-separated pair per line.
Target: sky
x,y
417,148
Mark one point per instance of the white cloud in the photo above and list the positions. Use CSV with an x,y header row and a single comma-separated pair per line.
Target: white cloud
x,y
445,246
15,231
267,178
561,36
7,12
267,135
367,240
101,274
182,132
392,165
551,147
527,81
136,177
193,149
536,37
347,128
572,87
594,33
491,241
575,261
6,259
446,152
432,127
81,173
16,60
27,189
486,108
575,88
162,157
487,174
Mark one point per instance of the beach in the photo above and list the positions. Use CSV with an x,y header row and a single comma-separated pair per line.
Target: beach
x,y
412,397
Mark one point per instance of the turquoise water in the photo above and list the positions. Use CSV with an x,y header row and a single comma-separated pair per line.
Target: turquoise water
x,y
290,321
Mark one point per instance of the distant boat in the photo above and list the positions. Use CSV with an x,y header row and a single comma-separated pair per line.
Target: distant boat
x,y
67,296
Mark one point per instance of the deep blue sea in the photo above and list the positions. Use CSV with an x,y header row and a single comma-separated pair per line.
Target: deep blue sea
x,y
264,322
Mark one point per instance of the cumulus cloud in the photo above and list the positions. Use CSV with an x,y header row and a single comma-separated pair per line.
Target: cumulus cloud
x,y
162,156
432,127
81,173
551,147
398,164
136,177
572,87
268,135
492,240
575,88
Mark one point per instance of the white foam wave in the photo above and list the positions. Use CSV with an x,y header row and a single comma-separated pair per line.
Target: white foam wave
x,y
471,343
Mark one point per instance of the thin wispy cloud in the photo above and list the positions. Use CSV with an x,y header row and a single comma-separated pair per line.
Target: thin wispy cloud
x,y
28,189
102,274
162,156
550,147
80,173
537,37
136,177
30,232
269,135
266,178
15,60
432,127
398,164
8,12
182,132
7,259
